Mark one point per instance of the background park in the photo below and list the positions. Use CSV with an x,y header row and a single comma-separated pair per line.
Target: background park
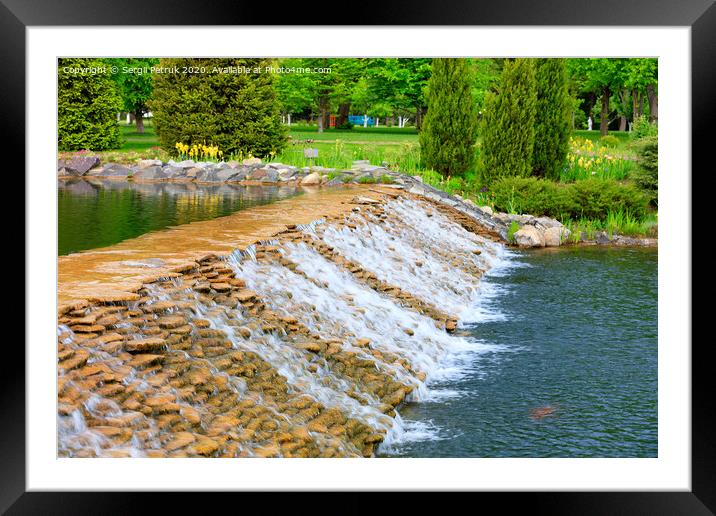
x,y
573,139
333,257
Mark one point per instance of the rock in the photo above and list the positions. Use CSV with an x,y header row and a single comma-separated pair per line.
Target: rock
x,y
416,191
245,295
529,236
311,179
115,170
149,174
251,161
602,237
555,235
257,174
144,163
547,222
364,200
142,345
78,165
486,210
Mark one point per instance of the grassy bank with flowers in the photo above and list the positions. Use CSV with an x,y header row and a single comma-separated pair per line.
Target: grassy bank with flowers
x,y
597,189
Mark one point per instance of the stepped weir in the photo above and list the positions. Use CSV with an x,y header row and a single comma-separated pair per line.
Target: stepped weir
x,y
302,343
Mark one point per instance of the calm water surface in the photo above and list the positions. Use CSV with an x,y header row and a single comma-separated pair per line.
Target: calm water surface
x,y
103,212
578,334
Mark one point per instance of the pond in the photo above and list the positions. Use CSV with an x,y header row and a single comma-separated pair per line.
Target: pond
x,y
100,213
574,373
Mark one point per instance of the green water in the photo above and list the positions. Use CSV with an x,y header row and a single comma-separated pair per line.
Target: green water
x,y
101,213
576,331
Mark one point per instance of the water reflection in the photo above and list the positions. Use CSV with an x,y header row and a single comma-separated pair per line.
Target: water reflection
x,y
100,212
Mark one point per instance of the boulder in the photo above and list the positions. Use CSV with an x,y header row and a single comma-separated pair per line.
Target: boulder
x,y
173,172
555,235
115,170
251,161
529,236
486,210
150,173
257,174
144,163
311,179
78,165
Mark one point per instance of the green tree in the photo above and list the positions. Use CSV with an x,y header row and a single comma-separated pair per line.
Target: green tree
x,y
449,130
508,126
239,112
87,105
134,80
552,118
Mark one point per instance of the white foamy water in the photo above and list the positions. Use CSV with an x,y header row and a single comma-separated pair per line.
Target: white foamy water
x,y
420,251
417,249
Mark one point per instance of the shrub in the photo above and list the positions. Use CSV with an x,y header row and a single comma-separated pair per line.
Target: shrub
x,y
87,106
551,118
532,195
595,198
591,198
449,130
508,131
238,112
647,174
641,128
345,126
609,141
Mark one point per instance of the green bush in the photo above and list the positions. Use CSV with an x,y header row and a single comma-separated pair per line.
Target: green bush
x,y
508,131
609,141
591,198
642,128
532,195
552,125
449,130
647,174
87,106
345,126
238,112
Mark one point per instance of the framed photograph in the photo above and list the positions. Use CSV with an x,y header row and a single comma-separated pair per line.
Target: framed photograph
x,y
429,252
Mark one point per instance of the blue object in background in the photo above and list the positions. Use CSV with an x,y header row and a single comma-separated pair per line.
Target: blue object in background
x,y
358,120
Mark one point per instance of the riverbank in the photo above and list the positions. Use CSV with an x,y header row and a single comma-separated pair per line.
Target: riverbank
x,y
232,338
514,229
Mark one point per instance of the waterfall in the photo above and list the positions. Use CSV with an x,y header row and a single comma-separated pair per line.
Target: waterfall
x,y
299,346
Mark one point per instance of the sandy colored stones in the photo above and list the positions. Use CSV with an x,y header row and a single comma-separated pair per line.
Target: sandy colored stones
x,y
313,347
144,345
181,440
145,360
171,321
113,297
221,286
245,295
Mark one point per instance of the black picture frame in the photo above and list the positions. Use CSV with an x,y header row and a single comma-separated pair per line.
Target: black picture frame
x,y
700,15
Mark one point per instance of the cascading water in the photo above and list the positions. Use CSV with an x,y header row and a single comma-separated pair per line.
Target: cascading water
x,y
283,349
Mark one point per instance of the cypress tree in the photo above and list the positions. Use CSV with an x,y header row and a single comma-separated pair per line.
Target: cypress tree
x,y
226,102
87,105
449,130
508,131
552,118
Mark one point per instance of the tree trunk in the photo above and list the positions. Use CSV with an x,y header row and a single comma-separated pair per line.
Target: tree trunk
x,y
140,121
604,122
636,104
653,103
419,118
622,123
377,120
343,112
365,120
288,116
322,113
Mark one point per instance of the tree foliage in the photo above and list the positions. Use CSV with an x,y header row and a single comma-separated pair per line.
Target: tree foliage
x,y
87,105
552,129
134,82
449,132
508,128
239,112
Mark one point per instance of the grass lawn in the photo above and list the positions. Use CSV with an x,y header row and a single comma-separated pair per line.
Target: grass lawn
x,y
133,141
